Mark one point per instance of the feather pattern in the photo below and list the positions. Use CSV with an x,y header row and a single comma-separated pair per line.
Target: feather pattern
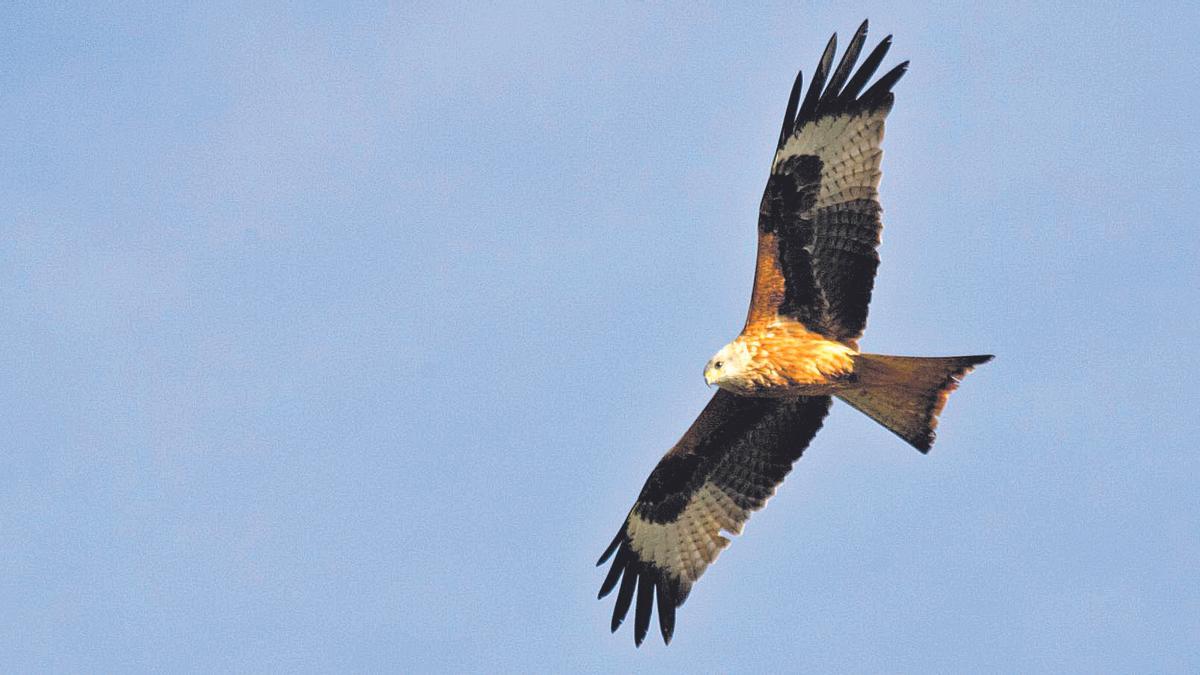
x,y
725,467
820,219
818,231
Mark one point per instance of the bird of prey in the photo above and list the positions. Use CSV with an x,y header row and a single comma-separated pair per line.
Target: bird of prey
x,y
818,230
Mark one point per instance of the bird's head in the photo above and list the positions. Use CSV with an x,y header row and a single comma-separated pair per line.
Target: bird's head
x,y
727,365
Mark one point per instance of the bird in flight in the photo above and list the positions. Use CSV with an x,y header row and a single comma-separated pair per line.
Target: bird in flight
x,y
818,230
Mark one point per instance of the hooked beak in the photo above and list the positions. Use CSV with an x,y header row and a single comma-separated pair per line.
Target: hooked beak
x,y
709,379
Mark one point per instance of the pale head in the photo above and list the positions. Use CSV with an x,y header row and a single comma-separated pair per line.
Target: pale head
x,y
728,364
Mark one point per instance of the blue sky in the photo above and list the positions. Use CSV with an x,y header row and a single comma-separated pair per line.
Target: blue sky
x,y
343,338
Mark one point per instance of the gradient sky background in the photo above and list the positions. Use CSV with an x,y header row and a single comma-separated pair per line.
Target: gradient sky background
x,y
344,338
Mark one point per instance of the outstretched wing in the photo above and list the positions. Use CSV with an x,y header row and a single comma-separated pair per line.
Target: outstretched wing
x,y
726,466
819,222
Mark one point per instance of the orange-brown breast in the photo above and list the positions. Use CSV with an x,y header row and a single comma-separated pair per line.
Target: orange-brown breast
x,y
788,359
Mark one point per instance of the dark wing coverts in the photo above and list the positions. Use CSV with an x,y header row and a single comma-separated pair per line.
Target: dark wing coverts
x,y
819,221
818,229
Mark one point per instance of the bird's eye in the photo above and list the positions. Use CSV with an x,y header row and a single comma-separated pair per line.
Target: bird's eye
x,y
718,364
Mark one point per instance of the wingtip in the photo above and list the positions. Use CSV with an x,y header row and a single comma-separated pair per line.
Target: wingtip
x,y
666,611
612,547
827,57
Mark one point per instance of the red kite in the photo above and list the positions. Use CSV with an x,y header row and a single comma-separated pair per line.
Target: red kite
x,y
818,230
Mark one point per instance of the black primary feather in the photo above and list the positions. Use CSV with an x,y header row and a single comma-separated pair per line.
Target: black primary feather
x,y
833,89
614,574
789,115
645,604
809,108
880,90
866,70
624,597
666,611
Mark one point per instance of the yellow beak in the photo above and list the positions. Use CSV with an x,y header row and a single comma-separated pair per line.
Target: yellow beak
x,y
709,376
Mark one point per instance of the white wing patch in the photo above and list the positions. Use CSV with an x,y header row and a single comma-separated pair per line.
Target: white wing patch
x,y
848,146
689,544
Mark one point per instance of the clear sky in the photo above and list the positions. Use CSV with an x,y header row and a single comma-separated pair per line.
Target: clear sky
x,y
343,338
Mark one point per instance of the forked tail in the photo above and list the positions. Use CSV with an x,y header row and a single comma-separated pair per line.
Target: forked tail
x,y
907,393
